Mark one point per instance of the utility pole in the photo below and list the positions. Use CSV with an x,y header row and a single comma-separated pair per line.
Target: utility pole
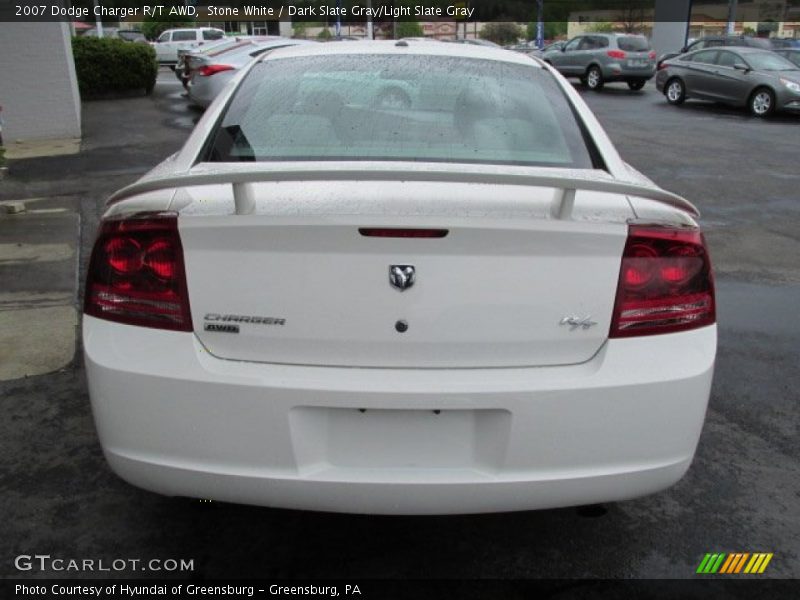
x,y
97,20
540,25
732,17
370,28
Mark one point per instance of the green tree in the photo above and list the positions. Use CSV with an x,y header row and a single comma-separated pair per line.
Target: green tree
x,y
111,66
552,29
152,27
409,29
632,16
325,34
600,27
502,32
299,29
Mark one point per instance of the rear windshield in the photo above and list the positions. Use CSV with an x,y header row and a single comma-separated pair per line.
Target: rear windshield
x,y
217,47
235,47
426,108
769,61
633,43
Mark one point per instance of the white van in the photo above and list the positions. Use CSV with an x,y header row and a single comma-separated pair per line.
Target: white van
x,y
172,40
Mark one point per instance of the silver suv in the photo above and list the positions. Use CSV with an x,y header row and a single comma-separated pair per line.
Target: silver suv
x,y
599,58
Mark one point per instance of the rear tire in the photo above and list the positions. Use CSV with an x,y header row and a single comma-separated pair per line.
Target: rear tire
x,y
762,103
636,85
594,79
675,91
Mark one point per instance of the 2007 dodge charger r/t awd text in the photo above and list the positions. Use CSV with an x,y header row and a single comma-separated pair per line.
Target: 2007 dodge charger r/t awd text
x,y
461,300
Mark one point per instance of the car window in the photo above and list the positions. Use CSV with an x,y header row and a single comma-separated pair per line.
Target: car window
x,y
412,108
768,61
714,43
793,56
696,46
780,44
187,35
633,43
728,59
601,42
708,57
131,36
590,42
211,34
573,44
164,37
759,43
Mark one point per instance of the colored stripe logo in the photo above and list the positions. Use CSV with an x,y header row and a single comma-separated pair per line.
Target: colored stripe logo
x,y
734,563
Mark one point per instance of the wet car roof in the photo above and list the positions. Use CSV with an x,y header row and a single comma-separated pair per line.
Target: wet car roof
x,y
405,47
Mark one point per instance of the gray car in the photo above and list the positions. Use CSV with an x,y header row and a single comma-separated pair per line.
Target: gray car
x,y
211,75
713,41
600,58
191,59
128,35
760,80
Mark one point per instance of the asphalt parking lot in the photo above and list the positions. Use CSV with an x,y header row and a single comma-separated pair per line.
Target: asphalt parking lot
x,y
58,497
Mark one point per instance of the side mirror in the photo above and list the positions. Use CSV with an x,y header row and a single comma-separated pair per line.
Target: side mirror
x,y
684,50
741,67
564,48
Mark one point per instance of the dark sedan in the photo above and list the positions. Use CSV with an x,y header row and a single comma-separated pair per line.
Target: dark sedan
x,y
714,41
760,80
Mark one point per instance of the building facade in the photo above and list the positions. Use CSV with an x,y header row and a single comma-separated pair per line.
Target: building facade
x,y
39,90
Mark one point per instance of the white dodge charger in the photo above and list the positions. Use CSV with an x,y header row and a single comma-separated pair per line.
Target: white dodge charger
x,y
402,278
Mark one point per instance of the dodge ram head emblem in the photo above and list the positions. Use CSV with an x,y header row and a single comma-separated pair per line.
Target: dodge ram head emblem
x,y
402,276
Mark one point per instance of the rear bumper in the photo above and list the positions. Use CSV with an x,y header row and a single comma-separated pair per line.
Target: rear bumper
x,y
175,420
622,72
661,80
201,92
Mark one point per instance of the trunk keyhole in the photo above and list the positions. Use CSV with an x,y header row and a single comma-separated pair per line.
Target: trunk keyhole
x,y
401,326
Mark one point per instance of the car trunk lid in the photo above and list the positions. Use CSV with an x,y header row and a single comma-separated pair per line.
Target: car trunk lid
x,y
296,280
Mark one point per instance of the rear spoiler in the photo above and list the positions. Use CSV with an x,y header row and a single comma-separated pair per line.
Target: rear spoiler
x,y
241,174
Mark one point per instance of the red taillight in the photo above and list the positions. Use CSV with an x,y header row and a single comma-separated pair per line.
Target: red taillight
x,y
652,55
617,54
209,70
137,275
665,282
